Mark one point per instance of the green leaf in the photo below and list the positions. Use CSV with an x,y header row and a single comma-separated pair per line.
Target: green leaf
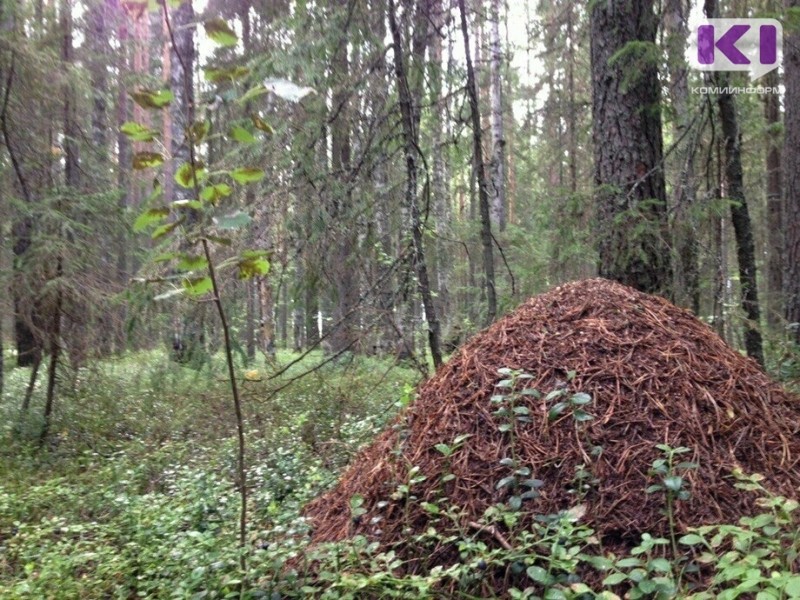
x,y
192,204
214,193
220,32
615,579
431,508
444,449
252,267
515,503
221,75
240,134
580,399
235,220
145,160
261,124
505,482
793,586
582,416
185,175
539,575
255,92
188,262
198,286
660,564
673,483
556,410
138,132
247,174
149,217
165,229
155,99
628,562
691,539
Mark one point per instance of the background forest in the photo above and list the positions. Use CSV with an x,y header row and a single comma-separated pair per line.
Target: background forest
x,y
356,187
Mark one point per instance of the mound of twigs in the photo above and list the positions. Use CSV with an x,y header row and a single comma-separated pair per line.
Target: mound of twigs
x,y
655,374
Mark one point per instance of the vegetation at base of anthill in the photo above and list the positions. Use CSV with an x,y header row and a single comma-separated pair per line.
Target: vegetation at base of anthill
x,y
133,497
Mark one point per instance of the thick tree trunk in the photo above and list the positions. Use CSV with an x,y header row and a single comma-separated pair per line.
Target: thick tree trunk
x,y
791,171
630,196
480,172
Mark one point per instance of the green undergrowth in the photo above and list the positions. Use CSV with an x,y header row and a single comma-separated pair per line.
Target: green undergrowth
x,y
134,497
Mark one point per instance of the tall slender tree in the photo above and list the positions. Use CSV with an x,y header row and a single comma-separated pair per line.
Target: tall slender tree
x,y
791,171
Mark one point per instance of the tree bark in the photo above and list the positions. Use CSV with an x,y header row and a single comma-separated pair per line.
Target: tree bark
x,y
626,110
411,143
740,216
480,171
791,171
687,276
498,211
772,115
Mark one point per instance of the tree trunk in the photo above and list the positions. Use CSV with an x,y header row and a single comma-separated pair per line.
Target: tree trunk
x,y
498,211
740,216
630,196
772,115
687,277
483,192
791,171
411,143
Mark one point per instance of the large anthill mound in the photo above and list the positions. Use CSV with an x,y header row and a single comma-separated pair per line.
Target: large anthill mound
x,y
656,375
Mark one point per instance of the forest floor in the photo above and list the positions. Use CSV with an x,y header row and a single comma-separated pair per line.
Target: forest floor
x,y
134,496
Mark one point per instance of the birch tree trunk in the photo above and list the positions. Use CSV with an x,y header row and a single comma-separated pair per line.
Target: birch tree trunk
x,y
498,212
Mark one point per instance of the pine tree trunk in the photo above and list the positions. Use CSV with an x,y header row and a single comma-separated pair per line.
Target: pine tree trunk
x,y
630,196
775,246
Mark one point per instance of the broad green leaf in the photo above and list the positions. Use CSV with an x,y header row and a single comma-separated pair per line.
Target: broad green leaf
x,y
145,160
149,217
235,220
220,32
214,193
188,262
138,132
261,124
660,564
247,174
221,75
152,98
691,539
615,578
287,90
539,574
673,483
430,507
240,134
198,286
580,399
185,175
252,267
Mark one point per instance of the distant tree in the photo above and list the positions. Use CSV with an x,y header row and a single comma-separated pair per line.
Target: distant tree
x,y
791,170
632,232
740,215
